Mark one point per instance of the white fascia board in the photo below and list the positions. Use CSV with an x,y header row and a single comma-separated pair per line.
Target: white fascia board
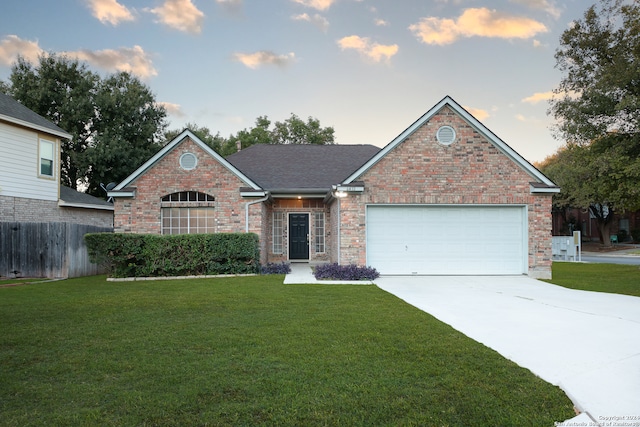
x,y
121,193
167,148
457,108
84,206
39,128
349,188
253,194
535,190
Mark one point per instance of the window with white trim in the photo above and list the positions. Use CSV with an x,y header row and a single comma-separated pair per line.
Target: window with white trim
x,y
319,229
278,228
47,158
188,212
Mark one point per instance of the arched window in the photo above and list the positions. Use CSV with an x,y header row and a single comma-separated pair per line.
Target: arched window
x,y
188,212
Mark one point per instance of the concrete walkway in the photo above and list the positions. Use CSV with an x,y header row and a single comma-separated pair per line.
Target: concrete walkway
x,y
587,343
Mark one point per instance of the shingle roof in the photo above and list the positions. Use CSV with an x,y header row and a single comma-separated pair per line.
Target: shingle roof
x,y
71,197
300,166
13,111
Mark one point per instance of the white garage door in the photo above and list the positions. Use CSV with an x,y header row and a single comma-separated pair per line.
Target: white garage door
x,y
419,239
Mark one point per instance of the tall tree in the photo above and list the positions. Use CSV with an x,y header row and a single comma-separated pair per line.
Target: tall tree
x,y
127,131
62,90
597,109
115,122
294,130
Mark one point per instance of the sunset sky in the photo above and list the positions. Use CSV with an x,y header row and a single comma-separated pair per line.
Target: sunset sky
x,y
369,68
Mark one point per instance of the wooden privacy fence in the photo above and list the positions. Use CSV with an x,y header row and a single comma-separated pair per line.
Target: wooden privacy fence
x,y
46,249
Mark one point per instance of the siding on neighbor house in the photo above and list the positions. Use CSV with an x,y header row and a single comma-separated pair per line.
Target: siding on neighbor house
x,y
469,171
19,176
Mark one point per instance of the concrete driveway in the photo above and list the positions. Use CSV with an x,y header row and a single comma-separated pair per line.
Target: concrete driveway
x,y
587,343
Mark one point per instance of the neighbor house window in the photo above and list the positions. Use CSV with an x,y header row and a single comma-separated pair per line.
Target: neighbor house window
x,y
278,224
188,212
319,232
46,158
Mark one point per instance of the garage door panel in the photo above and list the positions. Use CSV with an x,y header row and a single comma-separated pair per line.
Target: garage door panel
x,y
446,239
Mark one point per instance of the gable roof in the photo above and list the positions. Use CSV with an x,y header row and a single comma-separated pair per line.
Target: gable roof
x,y
120,189
447,101
288,168
74,199
14,112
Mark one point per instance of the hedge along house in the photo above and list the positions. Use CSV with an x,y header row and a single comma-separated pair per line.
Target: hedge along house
x,y
446,196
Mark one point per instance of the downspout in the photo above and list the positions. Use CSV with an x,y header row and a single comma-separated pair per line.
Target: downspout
x,y
246,210
339,237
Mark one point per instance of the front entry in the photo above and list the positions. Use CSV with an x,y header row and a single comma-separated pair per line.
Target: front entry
x,y
299,236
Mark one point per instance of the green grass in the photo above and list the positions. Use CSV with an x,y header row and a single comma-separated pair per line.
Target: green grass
x,y
7,282
611,278
249,351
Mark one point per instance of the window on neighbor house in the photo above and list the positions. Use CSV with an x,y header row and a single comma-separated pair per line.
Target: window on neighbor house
x,y
319,232
46,158
188,212
278,224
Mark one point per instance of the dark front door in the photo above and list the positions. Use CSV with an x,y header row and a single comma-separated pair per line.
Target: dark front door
x,y
299,236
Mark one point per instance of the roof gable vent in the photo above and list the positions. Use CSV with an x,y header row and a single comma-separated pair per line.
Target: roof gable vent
x,y
188,161
446,135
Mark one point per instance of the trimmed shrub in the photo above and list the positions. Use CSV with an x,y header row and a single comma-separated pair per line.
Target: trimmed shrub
x,y
345,272
152,255
635,235
276,268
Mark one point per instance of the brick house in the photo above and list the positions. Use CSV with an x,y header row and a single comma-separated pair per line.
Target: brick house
x,y
446,196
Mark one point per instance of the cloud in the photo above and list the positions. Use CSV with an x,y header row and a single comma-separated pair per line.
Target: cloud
x,y
110,11
544,5
12,46
478,113
264,57
317,20
233,6
380,22
180,14
538,97
173,109
133,60
316,4
365,47
478,22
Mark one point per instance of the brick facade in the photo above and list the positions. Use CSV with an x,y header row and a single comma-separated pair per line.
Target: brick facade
x,y
20,209
142,213
469,171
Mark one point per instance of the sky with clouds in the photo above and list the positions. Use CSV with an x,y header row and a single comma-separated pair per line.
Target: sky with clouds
x,y
369,68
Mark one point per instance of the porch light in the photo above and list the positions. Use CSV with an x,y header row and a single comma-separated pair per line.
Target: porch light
x,y
340,194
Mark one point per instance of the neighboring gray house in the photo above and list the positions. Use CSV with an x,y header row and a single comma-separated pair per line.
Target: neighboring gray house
x,y
30,193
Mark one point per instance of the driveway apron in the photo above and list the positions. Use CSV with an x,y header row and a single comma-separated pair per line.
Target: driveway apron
x,y
587,343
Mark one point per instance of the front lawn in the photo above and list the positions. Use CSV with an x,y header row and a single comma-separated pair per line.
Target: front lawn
x,y
611,278
249,351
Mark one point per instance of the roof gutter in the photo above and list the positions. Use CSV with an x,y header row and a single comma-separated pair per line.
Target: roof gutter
x,y
62,203
59,133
